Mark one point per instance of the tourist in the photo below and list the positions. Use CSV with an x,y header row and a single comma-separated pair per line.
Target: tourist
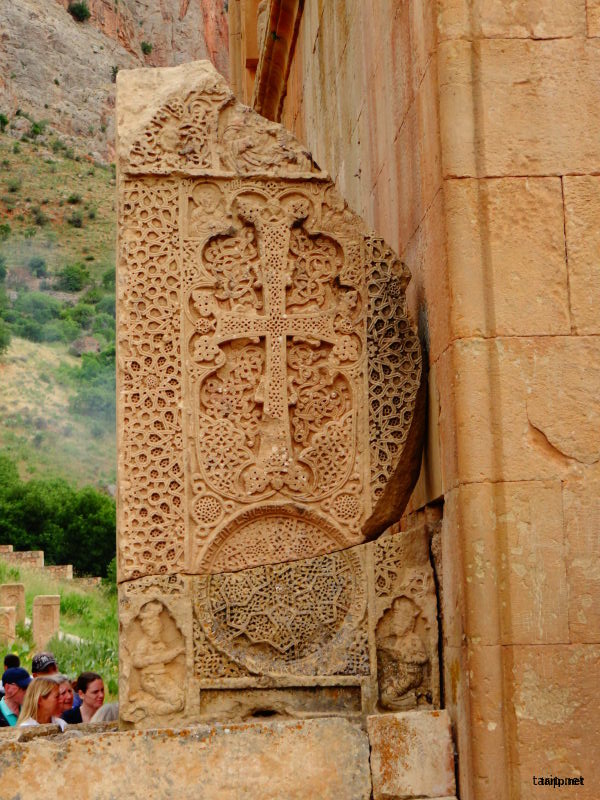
x,y
90,688
43,664
65,692
41,705
109,712
15,681
10,660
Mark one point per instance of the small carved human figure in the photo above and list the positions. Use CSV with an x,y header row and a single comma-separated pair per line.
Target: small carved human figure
x,y
207,212
401,655
158,686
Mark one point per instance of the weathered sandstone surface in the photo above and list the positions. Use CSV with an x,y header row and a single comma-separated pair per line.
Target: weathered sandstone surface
x,y
62,71
327,758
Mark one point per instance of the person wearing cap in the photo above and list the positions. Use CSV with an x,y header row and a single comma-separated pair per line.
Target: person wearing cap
x,y
43,664
10,660
15,681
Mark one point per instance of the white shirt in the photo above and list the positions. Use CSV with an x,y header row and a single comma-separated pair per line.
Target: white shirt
x,y
55,721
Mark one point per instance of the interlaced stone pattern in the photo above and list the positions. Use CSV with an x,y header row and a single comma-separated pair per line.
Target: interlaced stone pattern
x,y
268,375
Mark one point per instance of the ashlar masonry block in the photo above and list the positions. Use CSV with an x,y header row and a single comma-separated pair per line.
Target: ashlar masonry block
x,y
411,755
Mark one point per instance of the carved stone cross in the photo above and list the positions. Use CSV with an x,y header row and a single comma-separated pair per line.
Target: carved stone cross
x,y
268,380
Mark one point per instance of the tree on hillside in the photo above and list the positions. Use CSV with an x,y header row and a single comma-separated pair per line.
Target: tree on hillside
x,y
72,526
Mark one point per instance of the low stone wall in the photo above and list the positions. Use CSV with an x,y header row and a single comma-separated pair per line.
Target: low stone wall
x,y
87,581
304,760
62,572
405,755
26,558
34,559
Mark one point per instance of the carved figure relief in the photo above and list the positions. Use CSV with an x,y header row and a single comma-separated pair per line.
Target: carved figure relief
x,y
401,655
406,633
156,649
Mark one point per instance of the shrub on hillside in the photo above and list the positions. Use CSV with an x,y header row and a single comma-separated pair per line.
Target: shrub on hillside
x,y
14,184
146,48
3,122
96,386
107,305
93,295
4,337
79,11
37,266
104,324
38,306
109,278
82,314
73,278
28,329
39,217
2,269
75,219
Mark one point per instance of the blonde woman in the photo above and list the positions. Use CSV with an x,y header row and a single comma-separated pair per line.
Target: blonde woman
x,y
41,704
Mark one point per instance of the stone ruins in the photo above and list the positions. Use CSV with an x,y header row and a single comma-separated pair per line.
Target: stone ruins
x,y
46,618
269,419
13,594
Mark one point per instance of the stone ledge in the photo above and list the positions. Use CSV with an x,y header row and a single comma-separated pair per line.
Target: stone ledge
x,y
326,759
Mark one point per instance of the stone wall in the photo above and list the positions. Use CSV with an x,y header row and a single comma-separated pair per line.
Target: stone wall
x,y
61,572
466,134
25,558
307,759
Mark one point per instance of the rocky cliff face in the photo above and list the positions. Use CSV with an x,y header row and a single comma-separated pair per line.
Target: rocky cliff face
x,y
56,69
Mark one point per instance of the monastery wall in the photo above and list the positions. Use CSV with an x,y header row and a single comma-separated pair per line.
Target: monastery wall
x,y
466,134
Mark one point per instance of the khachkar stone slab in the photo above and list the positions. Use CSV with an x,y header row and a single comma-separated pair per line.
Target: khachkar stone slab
x,y
8,619
268,409
46,618
13,594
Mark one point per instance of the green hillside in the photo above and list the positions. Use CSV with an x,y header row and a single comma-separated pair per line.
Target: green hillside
x,y
57,256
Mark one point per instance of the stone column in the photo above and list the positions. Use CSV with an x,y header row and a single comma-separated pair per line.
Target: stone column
x,y
13,594
8,616
46,618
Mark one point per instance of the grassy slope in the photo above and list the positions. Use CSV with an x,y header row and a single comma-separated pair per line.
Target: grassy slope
x,y
36,426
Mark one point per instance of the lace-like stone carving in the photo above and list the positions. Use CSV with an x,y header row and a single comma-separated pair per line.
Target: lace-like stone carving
x,y
394,362
152,487
305,617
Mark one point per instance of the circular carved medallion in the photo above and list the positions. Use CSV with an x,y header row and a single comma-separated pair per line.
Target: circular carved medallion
x,y
269,535
295,617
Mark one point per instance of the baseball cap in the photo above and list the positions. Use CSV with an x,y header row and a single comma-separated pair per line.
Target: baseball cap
x,y
17,675
42,661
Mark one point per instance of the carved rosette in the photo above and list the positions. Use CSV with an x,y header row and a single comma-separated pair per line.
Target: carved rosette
x,y
267,381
